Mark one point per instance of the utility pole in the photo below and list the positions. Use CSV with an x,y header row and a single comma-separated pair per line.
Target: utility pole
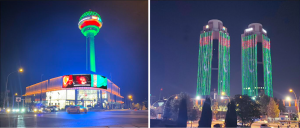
x,y
41,89
160,93
23,102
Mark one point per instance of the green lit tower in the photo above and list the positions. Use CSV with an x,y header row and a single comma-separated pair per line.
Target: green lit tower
x,y
89,24
256,61
213,59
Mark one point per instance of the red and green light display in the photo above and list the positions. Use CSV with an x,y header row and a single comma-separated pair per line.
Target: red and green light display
x,y
249,65
89,24
205,63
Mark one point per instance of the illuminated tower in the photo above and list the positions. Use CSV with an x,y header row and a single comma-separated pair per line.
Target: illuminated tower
x,y
214,59
256,61
89,24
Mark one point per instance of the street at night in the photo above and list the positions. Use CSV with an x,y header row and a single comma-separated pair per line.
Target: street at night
x,y
112,118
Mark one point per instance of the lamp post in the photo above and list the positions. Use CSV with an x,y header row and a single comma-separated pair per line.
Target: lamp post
x,y
5,95
130,99
41,89
224,94
291,90
288,99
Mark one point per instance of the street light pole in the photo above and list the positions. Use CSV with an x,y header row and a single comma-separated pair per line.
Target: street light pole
x,y
5,95
291,90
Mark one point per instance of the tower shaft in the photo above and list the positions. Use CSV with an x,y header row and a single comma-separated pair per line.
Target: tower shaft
x,y
90,53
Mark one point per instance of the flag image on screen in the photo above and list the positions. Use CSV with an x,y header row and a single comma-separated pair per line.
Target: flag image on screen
x,y
99,81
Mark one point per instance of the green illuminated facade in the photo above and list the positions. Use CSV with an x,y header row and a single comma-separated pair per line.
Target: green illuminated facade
x,y
249,65
253,36
212,33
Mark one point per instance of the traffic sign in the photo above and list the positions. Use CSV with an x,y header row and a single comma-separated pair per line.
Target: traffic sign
x,y
18,99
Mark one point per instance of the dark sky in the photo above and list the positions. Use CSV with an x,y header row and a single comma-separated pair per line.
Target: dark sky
x,y
44,38
175,30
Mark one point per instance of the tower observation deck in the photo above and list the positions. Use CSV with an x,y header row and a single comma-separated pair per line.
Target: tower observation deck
x,y
89,24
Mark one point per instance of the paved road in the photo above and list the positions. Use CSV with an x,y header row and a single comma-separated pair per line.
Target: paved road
x,y
91,119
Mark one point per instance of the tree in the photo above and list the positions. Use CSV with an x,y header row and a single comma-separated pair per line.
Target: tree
x,y
182,114
206,115
247,109
215,109
281,106
231,117
144,107
273,110
176,102
167,112
152,113
194,115
264,101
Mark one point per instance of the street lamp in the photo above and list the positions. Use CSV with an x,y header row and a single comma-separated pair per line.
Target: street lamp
x,y
16,94
224,94
291,90
198,97
5,97
130,96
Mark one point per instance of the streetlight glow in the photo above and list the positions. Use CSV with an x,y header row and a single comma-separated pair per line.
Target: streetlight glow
x,y
16,94
288,98
130,96
223,93
291,90
222,97
21,70
198,97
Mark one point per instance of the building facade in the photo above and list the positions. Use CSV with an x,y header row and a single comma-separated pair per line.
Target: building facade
x,y
256,61
51,92
214,59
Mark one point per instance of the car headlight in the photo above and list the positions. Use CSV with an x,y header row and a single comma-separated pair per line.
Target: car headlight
x,y
22,110
8,110
56,108
17,110
35,109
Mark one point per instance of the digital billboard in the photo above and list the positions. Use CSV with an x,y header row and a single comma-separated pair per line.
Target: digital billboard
x,y
70,81
84,80
99,81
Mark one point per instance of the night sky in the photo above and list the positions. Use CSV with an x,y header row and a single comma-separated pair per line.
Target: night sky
x,y
175,31
44,38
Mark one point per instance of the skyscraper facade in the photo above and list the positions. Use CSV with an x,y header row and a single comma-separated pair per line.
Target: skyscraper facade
x,y
256,61
214,59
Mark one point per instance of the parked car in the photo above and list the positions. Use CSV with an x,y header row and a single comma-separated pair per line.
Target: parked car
x,y
264,126
52,109
76,109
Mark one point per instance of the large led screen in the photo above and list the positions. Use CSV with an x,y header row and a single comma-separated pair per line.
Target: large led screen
x,y
85,80
70,81
99,81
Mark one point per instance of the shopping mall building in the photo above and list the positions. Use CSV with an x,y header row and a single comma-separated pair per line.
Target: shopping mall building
x,y
89,90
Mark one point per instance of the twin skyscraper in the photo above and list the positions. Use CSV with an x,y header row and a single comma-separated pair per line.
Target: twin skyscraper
x,y
214,60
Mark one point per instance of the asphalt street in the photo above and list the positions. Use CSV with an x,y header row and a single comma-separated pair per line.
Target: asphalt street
x,y
127,118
